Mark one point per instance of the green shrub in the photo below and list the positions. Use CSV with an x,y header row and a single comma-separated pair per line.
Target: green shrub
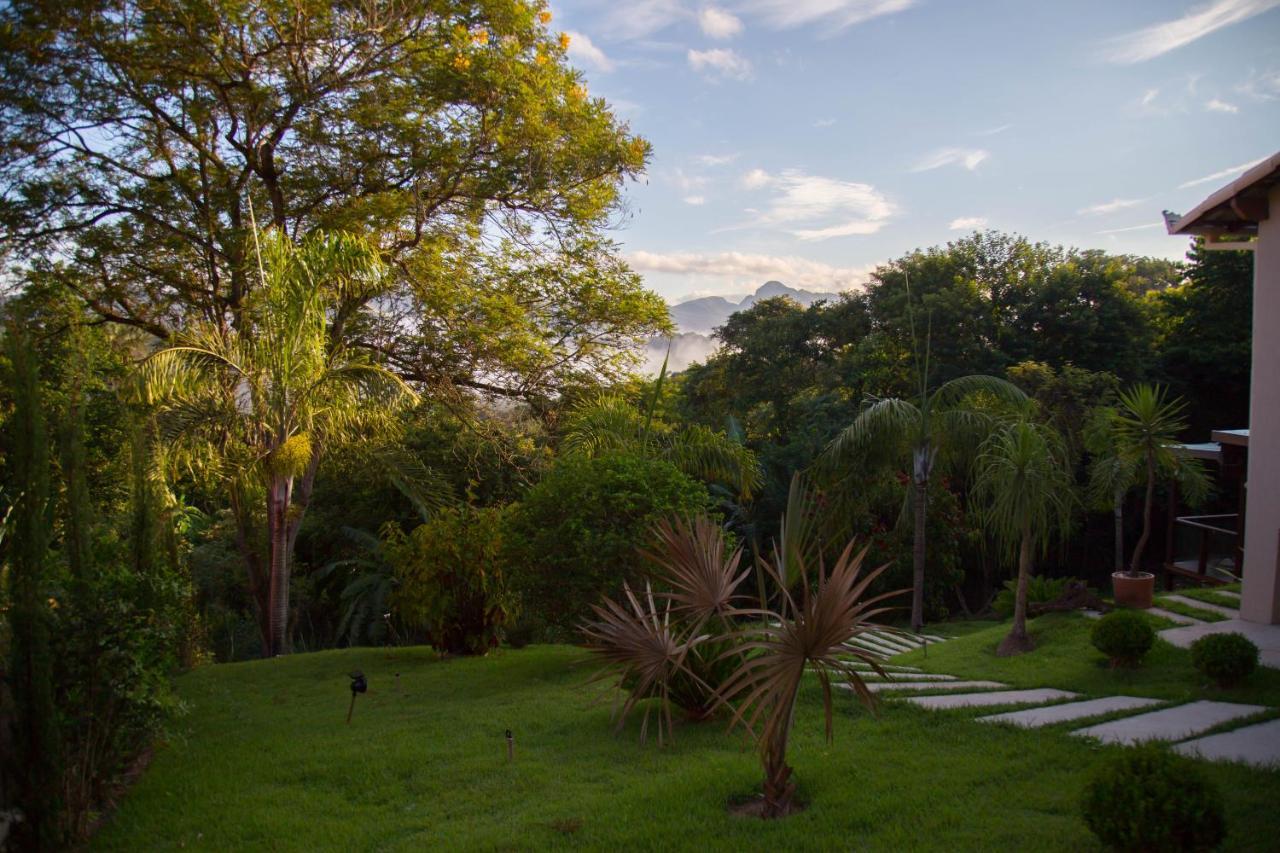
x,y
1150,799
1228,659
451,578
1124,636
1039,591
577,533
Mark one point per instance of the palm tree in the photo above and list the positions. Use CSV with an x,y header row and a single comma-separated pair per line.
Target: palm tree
x,y
1024,479
1145,427
258,405
938,424
1112,472
610,424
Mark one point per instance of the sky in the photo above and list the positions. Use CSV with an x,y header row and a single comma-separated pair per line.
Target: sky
x,y
809,140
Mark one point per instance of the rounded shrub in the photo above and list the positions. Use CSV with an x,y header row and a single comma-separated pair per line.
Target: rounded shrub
x,y
1150,799
1228,659
1124,636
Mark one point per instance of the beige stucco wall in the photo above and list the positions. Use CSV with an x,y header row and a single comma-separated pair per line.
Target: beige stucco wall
x,y
1260,598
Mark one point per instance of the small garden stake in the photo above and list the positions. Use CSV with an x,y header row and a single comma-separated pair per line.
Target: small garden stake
x,y
358,685
397,682
511,747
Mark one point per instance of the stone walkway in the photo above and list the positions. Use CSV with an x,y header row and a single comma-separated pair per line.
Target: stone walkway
x,y
1184,724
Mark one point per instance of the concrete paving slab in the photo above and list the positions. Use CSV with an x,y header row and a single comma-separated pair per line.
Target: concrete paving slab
x,y
876,646
903,639
901,677
1229,612
1265,637
1034,718
995,697
892,642
883,686
1177,723
1258,745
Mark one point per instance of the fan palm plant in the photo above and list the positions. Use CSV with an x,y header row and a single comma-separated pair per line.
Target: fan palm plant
x,y
1024,481
1146,425
819,614
937,424
258,405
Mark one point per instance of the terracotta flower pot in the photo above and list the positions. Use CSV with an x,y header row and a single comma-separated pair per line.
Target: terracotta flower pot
x,y
1133,590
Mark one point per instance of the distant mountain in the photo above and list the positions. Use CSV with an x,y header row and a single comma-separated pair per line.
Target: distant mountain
x,y
705,314
696,319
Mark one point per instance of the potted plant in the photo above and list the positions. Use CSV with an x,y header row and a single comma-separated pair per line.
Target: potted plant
x,y
1145,428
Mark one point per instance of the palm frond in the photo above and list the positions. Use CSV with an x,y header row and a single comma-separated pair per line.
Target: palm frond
x,y
701,452
884,424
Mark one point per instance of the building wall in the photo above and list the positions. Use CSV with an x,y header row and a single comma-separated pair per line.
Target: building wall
x,y
1260,598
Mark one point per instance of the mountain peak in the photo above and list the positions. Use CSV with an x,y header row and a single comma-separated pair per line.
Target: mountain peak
x,y
773,288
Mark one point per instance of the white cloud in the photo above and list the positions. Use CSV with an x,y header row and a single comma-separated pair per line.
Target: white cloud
x,y
832,14
967,157
736,268
687,183
1149,96
1109,206
583,52
720,62
695,200
1263,86
1133,228
992,131
755,179
719,23
824,122
1225,173
968,223
1217,106
716,159
1159,39
812,207
639,18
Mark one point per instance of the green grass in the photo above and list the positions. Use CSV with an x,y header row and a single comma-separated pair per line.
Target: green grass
x,y
1212,596
1064,658
1187,610
264,761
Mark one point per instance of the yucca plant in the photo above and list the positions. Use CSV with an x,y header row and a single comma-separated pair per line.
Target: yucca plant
x,y
819,613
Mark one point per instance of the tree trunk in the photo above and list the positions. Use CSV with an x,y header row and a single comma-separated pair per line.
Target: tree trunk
x,y
1117,512
278,494
1136,565
923,463
259,583
1018,641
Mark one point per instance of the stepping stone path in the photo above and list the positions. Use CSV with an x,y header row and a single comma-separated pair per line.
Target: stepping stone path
x,y
1203,605
993,697
1176,618
1258,745
1176,723
1037,717
883,686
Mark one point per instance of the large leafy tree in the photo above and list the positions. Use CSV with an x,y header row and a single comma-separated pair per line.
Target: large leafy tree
x,y
259,404
1024,483
136,137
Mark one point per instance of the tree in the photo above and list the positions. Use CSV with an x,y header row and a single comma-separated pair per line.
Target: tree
x,y
1145,428
939,421
136,138
31,663
1024,481
261,403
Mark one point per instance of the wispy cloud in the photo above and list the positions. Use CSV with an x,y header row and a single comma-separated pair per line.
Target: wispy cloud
x,y
695,200
1109,206
812,207
1225,173
716,159
737,268
1158,39
967,157
582,51
824,122
1217,106
1133,228
968,223
640,18
834,14
720,62
687,183
1149,97
992,131
1261,86
719,23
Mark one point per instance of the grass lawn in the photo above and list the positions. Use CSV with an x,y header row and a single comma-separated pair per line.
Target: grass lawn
x,y
264,760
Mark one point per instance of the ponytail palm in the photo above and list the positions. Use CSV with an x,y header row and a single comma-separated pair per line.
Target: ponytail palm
x,y
258,406
939,426
1024,482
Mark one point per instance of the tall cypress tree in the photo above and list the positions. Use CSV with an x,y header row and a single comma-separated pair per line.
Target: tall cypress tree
x,y
31,664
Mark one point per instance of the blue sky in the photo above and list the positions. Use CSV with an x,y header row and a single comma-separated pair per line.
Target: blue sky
x,y
809,140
